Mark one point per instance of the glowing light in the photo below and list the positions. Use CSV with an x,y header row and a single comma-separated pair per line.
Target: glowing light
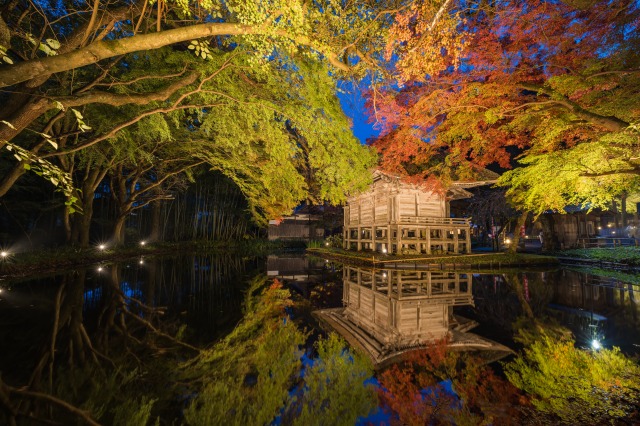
x,y
141,262
99,268
507,241
102,247
1,289
4,254
599,227
384,251
384,275
595,344
143,243
326,244
609,225
613,232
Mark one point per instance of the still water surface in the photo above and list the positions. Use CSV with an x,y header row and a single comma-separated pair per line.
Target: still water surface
x,y
205,292
382,312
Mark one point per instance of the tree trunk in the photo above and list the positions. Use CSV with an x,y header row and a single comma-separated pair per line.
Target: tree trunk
x,y
549,237
10,179
118,230
85,222
522,220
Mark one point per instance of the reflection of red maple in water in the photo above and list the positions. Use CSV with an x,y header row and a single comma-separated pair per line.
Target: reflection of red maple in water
x,y
414,392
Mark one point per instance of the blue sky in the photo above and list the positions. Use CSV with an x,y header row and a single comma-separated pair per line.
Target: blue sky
x,y
352,103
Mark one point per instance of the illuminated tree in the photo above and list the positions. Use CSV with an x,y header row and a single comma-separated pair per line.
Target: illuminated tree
x,y
553,84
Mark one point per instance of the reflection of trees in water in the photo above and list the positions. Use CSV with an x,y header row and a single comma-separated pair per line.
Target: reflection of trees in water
x,y
502,299
99,325
564,296
589,298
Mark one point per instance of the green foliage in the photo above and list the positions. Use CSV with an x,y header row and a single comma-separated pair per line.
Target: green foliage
x,y
333,392
575,385
626,255
591,175
335,240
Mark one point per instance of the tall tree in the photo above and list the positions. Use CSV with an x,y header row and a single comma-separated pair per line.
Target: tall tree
x,y
59,57
552,83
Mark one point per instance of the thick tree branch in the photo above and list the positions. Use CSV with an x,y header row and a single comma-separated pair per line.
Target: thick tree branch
x,y
117,99
100,50
610,123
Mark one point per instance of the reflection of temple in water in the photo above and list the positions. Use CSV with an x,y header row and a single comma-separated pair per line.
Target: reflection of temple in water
x,y
388,312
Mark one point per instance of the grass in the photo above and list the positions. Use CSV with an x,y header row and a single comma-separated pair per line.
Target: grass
x,y
626,255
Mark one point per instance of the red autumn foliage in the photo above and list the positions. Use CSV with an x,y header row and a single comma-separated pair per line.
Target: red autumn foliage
x,y
528,66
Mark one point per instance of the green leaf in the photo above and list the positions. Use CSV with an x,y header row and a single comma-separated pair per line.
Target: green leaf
x,y
54,44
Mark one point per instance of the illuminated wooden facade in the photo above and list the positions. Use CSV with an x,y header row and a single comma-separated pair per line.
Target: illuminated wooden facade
x,y
396,217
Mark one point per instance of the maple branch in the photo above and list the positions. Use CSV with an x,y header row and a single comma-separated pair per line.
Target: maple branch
x,y
609,122
619,72
116,99
366,29
128,123
99,78
634,171
144,77
92,21
432,24
527,104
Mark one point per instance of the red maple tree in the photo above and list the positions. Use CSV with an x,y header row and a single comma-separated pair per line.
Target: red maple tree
x,y
536,78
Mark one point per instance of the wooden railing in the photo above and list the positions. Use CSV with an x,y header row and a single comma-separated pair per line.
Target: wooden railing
x,y
406,220
606,242
435,220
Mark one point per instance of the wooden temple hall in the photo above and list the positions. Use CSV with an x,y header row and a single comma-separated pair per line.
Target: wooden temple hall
x,y
396,217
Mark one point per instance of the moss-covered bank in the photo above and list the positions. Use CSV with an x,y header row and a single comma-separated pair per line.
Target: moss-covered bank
x,y
483,261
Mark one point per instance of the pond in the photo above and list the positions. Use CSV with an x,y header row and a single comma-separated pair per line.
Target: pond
x,y
107,312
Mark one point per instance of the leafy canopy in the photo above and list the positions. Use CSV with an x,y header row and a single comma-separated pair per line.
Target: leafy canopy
x,y
551,84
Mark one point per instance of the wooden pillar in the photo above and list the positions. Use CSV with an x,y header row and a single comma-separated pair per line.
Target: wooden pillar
x,y
373,238
455,240
399,238
468,239
388,238
428,241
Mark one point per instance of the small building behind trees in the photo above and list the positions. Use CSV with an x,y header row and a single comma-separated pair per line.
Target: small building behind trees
x,y
398,217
